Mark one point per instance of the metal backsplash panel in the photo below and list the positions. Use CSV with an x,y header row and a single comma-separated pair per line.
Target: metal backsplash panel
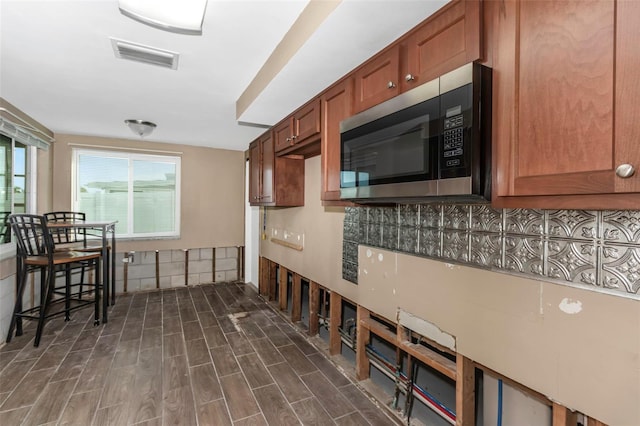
x,y
589,249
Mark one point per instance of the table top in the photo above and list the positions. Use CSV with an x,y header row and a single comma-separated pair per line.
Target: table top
x,y
86,224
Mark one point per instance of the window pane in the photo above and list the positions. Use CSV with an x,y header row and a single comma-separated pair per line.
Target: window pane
x,y
154,197
103,188
19,178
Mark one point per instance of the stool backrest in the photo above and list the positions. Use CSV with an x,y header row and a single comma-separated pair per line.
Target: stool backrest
x,y
32,235
67,235
5,228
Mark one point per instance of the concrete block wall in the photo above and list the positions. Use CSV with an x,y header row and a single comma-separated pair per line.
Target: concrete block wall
x,y
173,269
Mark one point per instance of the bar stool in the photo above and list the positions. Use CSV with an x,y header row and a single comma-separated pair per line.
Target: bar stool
x,y
36,252
74,239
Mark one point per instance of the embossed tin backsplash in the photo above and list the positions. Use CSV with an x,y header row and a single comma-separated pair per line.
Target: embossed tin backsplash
x,y
591,249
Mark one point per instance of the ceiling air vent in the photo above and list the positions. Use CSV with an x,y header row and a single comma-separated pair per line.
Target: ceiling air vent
x,y
145,54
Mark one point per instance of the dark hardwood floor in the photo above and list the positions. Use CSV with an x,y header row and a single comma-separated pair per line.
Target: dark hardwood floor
x,y
214,354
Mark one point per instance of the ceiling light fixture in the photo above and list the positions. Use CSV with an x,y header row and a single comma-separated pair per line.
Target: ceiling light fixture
x,y
183,16
140,127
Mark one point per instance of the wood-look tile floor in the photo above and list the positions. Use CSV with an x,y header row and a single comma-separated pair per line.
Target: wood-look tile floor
x,y
214,354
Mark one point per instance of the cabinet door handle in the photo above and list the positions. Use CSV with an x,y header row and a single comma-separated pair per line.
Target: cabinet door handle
x,y
391,85
288,139
625,170
294,137
409,77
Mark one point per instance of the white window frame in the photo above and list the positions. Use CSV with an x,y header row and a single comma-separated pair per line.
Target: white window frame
x,y
130,156
8,250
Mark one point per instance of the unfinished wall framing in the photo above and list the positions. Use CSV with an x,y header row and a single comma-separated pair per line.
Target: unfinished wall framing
x,y
148,270
282,287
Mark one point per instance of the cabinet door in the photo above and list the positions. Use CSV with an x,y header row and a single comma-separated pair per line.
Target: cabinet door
x,y
446,41
627,100
282,134
377,80
255,173
337,105
554,98
268,163
306,122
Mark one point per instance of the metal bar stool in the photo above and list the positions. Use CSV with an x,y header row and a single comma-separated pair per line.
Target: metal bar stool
x,y
75,239
36,252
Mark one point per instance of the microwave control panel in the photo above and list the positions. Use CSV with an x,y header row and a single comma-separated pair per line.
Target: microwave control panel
x,y
455,145
453,148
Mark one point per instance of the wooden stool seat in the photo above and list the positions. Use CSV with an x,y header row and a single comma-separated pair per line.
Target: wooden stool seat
x,y
62,257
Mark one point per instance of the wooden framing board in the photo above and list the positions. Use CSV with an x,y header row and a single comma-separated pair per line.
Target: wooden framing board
x,y
465,391
284,287
296,297
314,304
273,267
335,319
562,416
263,277
362,340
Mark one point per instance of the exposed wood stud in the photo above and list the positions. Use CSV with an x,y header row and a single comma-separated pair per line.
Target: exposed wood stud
x,y
273,276
296,298
125,273
240,272
314,304
465,391
594,422
263,277
157,269
562,416
284,287
362,340
335,319
213,264
186,266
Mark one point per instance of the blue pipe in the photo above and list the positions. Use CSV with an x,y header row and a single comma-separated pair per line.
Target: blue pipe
x,y
499,402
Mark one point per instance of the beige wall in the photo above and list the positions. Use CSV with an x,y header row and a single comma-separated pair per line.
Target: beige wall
x,y
588,361
44,182
212,191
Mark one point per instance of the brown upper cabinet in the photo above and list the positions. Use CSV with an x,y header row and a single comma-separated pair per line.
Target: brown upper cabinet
x,y
444,42
377,80
274,181
337,104
447,40
300,130
566,102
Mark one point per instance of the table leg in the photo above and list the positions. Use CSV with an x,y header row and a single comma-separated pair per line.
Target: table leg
x,y
105,275
113,265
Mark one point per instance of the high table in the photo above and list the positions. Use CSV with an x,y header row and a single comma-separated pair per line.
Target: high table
x,y
105,227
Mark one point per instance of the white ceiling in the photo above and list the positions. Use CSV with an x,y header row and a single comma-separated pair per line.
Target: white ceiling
x,y
58,66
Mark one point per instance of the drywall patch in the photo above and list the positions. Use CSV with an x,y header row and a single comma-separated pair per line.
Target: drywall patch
x,y
426,328
570,306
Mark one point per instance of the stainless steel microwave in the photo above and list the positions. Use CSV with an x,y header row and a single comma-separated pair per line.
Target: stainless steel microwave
x,y
428,144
